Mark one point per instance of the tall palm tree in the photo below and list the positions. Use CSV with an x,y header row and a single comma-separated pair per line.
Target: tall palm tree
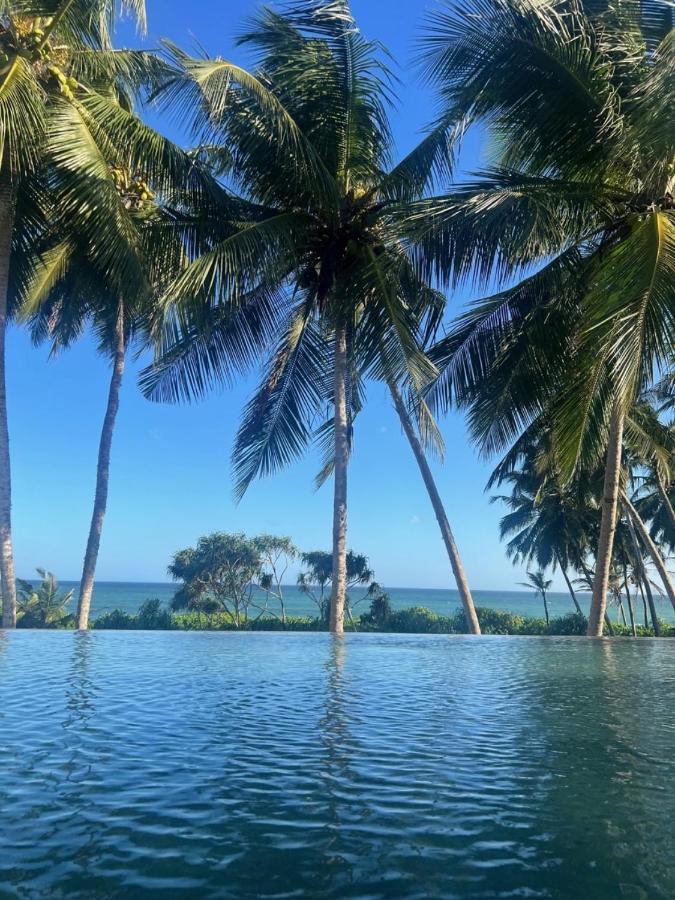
x,y
317,268
64,114
578,204
45,47
541,586
69,289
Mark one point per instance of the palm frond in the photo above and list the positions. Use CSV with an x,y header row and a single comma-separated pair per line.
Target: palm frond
x,y
277,422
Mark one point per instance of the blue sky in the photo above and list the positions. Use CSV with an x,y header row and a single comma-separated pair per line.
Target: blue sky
x,y
170,465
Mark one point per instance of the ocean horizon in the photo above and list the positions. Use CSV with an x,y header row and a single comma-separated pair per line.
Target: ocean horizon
x,y
129,595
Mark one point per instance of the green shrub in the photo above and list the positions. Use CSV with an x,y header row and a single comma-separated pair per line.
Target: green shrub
x,y
116,619
417,620
151,616
572,623
380,612
293,623
198,620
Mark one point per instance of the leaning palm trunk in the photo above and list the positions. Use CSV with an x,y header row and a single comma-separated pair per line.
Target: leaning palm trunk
x,y
339,590
630,601
439,510
610,509
102,477
665,500
643,579
573,594
651,548
7,575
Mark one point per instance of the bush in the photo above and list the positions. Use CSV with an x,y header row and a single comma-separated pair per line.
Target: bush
x,y
417,620
572,623
380,611
116,619
151,616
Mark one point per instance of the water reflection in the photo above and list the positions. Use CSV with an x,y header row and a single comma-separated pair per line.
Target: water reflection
x,y
600,807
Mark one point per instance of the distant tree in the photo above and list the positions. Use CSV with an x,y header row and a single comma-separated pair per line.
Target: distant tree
x,y
217,575
228,572
276,554
541,585
44,606
317,574
380,608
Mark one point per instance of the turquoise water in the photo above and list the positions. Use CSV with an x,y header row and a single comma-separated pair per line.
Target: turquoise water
x,y
129,596
183,765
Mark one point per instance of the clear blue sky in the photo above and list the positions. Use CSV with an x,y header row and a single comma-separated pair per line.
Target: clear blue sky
x,y
170,465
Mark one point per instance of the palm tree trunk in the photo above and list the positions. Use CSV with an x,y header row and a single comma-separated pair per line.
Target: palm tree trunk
x,y
543,596
570,588
650,602
621,612
651,547
665,500
339,589
643,580
630,601
638,579
589,579
102,477
7,574
610,509
439,510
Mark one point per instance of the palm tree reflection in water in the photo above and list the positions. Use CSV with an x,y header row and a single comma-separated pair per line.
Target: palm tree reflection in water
x,y
338,742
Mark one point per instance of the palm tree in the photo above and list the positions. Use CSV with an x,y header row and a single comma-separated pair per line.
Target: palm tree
x,y
318,268
541,585
80,188
69,288
44,606
60,79
579,204
549,522
452,550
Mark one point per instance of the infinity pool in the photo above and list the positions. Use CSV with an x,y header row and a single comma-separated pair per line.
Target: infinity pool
x,y
281,765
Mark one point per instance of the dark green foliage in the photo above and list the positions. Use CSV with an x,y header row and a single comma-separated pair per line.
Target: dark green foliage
x,y
580,191
416,620
380,609
116,620
44,606
152,616
220,621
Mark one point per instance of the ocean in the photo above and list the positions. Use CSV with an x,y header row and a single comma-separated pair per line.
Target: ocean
x,y
128,596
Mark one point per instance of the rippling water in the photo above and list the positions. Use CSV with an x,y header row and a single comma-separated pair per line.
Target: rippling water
x,y
267,765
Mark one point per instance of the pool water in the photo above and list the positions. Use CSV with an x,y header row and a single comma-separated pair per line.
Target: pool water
x,y
177,764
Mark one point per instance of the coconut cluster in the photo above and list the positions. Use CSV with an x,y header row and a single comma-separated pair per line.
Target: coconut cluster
x,y
133,189
26,40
